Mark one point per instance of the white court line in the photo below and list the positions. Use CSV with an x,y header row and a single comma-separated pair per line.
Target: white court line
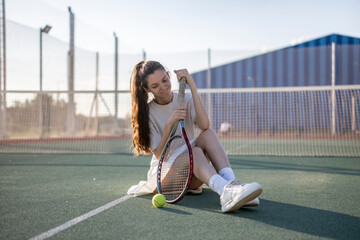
x,y
77,220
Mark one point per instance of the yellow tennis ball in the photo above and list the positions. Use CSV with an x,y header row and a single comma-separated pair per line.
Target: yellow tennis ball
x,y
158,200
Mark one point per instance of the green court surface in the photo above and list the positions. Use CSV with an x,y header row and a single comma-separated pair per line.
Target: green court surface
x,y
233,146
303,198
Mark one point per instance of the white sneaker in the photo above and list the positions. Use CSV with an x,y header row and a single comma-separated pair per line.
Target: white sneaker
x,y
236,194
253,203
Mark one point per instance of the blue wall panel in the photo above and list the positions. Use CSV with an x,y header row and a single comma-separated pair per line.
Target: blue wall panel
x,y
290,69
356,62
279,74
306,64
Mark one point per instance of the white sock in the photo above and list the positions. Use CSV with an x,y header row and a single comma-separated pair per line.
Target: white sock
x,y
217,183
227,173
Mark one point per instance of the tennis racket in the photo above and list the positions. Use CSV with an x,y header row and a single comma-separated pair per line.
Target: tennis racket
x,y
175,166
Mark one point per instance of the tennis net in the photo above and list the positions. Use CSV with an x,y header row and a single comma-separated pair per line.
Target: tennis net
x,y
291,121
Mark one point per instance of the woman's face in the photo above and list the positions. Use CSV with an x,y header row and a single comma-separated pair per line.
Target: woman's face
x,y
160,86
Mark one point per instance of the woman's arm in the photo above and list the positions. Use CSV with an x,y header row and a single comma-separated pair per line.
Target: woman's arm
x,y
202,118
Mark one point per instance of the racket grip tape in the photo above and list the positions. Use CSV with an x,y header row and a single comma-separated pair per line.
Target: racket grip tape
x,y
182,85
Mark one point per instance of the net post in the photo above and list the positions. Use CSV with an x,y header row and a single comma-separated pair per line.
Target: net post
x,y
353,114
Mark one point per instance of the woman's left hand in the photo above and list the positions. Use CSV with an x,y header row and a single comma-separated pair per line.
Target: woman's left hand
x,y
184,73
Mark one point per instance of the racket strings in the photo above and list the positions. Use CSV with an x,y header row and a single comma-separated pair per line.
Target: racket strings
x,y
175,170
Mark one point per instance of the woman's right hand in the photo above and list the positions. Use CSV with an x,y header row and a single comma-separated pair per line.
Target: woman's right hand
x,y
178,114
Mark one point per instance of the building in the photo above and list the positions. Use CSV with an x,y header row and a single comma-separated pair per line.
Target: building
x,y
305,64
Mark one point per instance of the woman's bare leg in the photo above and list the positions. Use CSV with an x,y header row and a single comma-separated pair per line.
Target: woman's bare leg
x,y
209,142
203,171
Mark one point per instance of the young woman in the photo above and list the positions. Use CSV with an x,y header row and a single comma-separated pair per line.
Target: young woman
x,y
151,122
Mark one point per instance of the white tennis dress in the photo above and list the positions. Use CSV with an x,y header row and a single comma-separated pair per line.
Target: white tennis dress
x,y
159,114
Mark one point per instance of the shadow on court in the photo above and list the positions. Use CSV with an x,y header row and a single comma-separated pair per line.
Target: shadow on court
x,y
168,209
307,220
316,222
177,211
274,165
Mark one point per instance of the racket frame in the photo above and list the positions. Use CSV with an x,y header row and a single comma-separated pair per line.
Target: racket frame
x,y
172,136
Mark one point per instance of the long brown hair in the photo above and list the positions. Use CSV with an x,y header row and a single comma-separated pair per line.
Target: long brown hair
x,y
140,108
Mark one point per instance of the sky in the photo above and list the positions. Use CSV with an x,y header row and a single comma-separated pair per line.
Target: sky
x,y
177,33
162,26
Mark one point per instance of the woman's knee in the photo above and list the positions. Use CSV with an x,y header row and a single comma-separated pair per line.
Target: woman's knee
x,y
208,133
206,137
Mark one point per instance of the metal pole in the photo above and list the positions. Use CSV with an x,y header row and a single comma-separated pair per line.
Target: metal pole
x,y
96,94
144,55
209,86
353,113
71,107
46,29
3,118
41,30
116,84
41,119
333,98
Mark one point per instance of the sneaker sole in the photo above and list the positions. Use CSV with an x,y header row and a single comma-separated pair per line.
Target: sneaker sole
x,y
252,203
242,202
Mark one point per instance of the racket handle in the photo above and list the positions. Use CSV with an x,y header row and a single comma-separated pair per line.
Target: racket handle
x,y
181,96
